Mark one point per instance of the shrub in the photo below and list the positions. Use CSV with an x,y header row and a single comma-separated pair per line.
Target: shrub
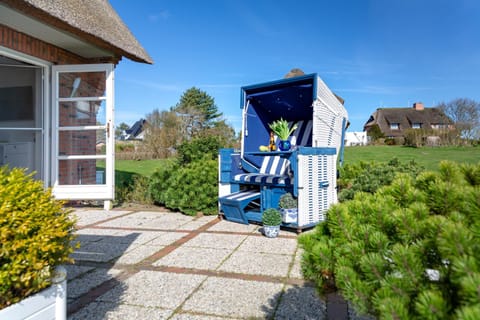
x,y
287,201
199,148
369,177
35,236
191,188
271,217
409,251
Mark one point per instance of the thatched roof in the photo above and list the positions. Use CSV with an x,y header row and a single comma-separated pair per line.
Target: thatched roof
x,y
405,118
94,21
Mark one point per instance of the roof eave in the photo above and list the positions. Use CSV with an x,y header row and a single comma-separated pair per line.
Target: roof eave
x,y
57,23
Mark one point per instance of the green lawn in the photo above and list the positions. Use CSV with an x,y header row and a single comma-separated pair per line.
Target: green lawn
x,y
142,167
427,157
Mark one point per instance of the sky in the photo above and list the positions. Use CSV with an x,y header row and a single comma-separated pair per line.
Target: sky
x,y
372,53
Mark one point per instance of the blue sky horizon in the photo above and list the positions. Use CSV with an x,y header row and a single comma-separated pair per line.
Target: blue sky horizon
x,y
371,53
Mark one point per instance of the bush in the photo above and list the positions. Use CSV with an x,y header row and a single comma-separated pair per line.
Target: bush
x,y
35,236
409,251
199,148
369,177
191,188
287,201
271,217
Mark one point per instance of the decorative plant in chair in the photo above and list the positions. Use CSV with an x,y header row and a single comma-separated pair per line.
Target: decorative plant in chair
x,y
271,219
288,208
283,132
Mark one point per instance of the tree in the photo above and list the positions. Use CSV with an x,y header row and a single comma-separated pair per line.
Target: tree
x,y
465,114
375,133
162,133
198,111
120,128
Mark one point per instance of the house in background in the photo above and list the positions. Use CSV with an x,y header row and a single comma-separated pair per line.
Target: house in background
x,y
393,122
355,138
57,61
135,132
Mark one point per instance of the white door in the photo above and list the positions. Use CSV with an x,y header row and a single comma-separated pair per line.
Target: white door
x,y
83,137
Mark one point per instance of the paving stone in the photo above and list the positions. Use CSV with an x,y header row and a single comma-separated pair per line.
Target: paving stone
x,y
269,245
296,271
101,251
86,217
196,258
257,263
154,289
147,214
188,316
213,240
74,271
301,302
126,222
138,254
228,226
166,238
113,311
86,282
136,237
197,223
234,298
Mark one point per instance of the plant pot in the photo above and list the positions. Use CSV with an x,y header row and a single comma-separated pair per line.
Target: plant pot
x,y
271,231
289,215
50,303
284,145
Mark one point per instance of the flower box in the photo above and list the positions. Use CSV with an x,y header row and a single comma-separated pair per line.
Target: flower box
x,y
50,303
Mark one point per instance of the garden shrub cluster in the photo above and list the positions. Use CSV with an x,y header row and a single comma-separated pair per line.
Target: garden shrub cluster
x,y
190,182
411,250
35,236
370,176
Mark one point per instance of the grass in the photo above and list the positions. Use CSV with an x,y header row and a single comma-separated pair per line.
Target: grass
x,y
142,167
428,157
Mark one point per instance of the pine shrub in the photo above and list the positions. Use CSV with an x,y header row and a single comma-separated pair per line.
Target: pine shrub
x,y
411,250
35,236
370,176
191,188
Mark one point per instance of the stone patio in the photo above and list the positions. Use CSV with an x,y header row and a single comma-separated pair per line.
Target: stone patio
x,y
165,265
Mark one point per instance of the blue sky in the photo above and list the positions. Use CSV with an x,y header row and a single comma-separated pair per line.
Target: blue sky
x,y
380,53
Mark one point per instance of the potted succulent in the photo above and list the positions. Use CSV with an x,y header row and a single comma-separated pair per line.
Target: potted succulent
x,y
288,208
282,131
271,219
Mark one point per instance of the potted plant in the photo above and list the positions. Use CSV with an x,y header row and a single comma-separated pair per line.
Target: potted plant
x,y
36,233
288,208
282,131
271,219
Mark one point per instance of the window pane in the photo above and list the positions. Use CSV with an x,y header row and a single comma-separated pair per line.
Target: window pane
x,y
77,172
81,142
82,84
82,113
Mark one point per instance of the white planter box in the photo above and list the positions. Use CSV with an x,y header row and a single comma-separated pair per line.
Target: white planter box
x,y
48,304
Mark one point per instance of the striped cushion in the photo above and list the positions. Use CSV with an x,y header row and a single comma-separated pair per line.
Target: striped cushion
x,y
274,165
259,178
273,171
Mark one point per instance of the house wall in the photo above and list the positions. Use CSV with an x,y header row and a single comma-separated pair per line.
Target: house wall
x,y
70,172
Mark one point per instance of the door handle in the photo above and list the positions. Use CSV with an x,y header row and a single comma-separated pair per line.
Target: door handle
x,y
108,129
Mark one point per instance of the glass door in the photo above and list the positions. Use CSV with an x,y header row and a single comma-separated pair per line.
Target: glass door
x,y
83,144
